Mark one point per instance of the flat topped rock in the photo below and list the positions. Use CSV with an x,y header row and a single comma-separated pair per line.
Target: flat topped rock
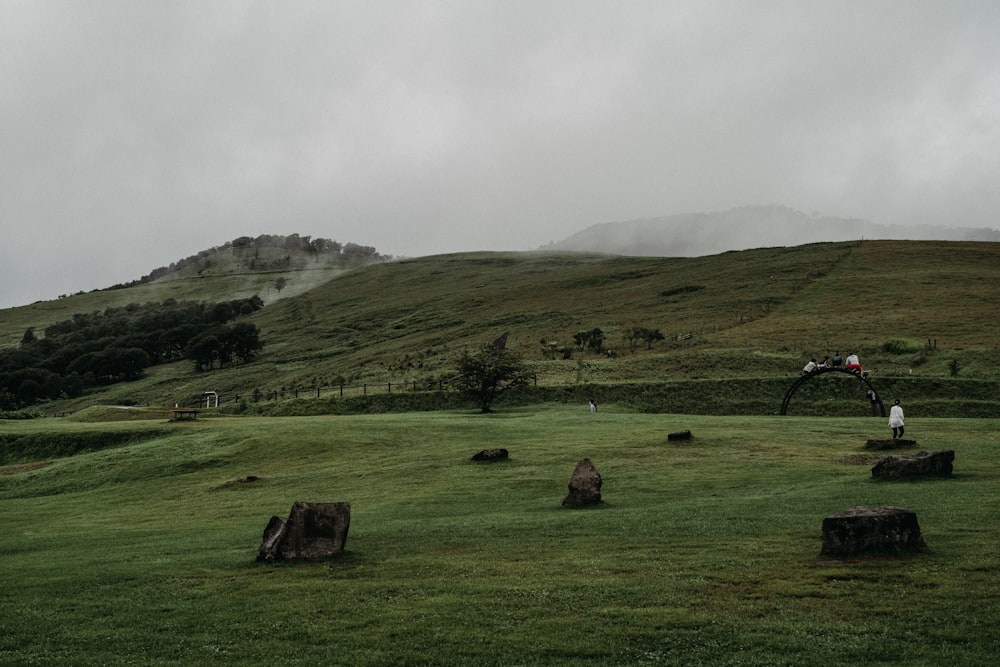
x,y
921,464
860,531
498,454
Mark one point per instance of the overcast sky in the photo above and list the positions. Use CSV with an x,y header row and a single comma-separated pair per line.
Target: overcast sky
x,y
133,134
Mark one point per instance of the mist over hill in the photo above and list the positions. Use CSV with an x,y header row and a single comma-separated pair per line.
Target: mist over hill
x,y
700,234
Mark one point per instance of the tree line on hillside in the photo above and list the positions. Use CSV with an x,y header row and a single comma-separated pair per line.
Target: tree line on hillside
x,y
119,344
306,245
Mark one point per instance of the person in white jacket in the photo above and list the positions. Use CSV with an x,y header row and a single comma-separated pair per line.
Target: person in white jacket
x,y
896,419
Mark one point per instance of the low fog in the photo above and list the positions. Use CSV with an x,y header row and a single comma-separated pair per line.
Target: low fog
x,y
137,133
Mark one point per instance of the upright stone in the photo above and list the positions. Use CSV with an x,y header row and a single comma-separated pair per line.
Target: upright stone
x,y
312,531
584,486
860,531
273,533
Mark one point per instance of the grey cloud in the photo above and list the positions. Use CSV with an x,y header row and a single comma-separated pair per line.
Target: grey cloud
x,y
139,133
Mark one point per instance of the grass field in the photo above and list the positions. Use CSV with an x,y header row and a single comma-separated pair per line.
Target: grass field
x,y
703,553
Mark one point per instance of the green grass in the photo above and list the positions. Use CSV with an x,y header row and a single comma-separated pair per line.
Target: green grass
x,y
130,540
705,552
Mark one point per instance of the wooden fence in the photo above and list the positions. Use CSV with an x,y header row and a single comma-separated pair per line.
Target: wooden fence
x,y
214,399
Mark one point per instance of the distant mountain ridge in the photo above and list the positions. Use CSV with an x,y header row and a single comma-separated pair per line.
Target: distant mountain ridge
x,y
744,228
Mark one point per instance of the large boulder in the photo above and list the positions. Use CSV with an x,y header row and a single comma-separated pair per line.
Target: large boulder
x,y
312,531
921,464
861,531
584,486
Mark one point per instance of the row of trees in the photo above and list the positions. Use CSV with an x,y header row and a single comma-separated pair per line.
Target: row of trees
x,y
119,344
303,244
292,243
225,345
593,340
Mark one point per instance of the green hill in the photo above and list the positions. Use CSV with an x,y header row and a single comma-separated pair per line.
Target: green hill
x,y
236,270
916,312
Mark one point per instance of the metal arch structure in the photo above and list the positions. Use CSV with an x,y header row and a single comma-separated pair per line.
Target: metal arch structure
x,y
821,371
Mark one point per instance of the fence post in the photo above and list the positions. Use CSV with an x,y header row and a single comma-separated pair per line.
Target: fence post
x,y
389,387
341,389
364,389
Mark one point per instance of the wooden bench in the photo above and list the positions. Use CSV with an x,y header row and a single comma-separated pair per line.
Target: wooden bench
x,y
183,414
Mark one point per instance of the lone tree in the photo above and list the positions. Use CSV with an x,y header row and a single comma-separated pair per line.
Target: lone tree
x,y
490,371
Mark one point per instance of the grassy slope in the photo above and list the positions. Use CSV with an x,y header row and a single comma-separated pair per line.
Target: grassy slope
x,y
885,289
752,314
706,552
221,276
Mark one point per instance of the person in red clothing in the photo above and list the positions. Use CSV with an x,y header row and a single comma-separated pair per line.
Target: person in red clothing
x,y
853,364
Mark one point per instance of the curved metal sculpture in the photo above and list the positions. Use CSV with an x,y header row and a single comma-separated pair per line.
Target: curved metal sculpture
x,y
820,371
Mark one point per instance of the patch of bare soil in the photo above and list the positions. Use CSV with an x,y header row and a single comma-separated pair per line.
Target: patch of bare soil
x,y
860,460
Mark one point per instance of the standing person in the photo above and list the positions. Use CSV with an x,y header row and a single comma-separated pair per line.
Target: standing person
x,y
896,420
593,406
873,399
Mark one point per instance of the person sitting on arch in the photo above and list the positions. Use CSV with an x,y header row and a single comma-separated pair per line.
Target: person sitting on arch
x,y
854,364
810,367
